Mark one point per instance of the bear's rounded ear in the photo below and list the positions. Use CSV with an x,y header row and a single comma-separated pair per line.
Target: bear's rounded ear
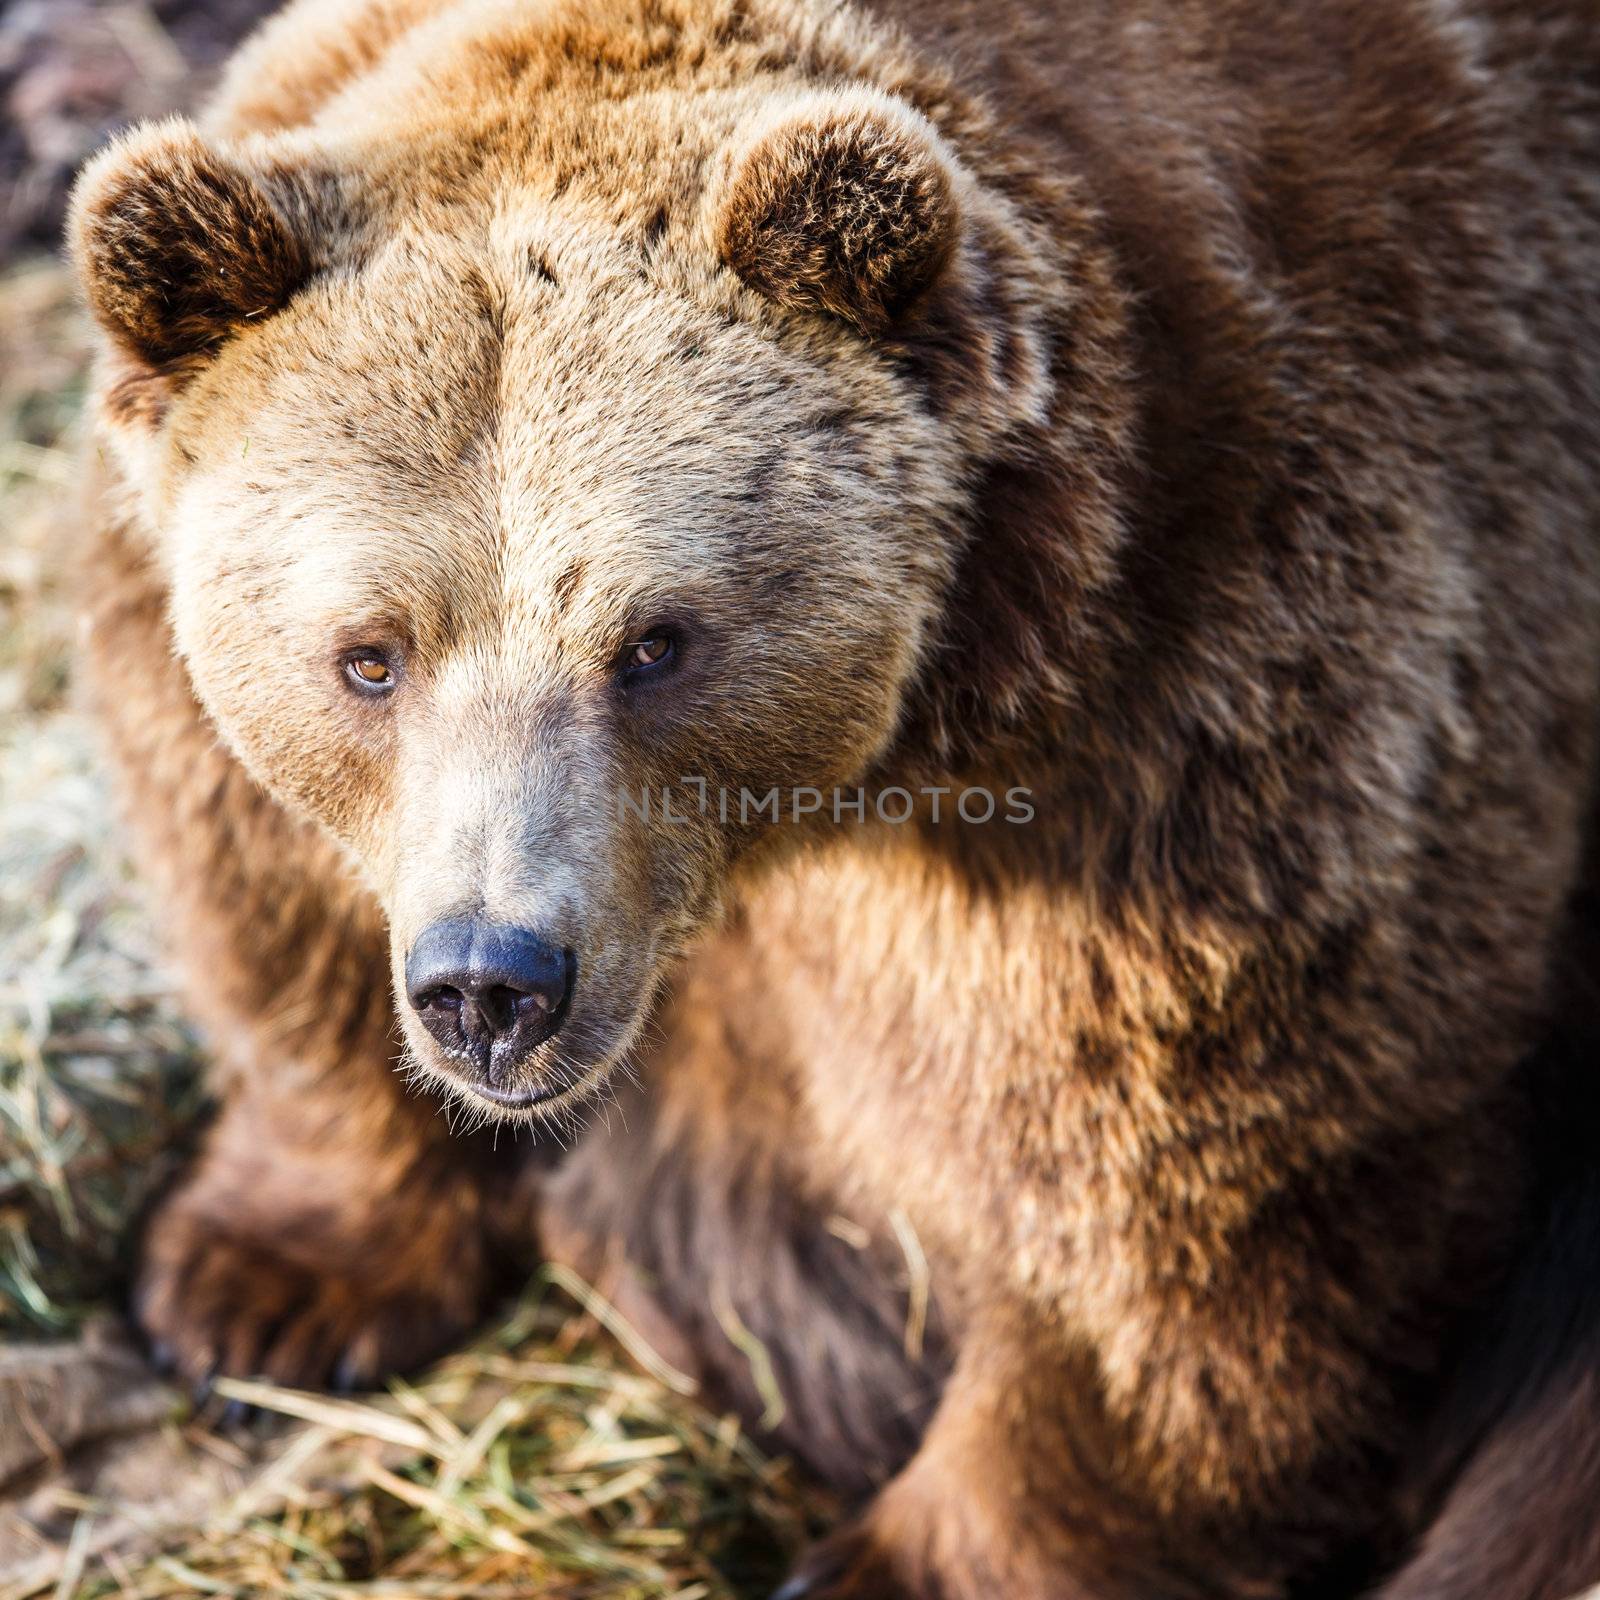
x,y
176,243
845,206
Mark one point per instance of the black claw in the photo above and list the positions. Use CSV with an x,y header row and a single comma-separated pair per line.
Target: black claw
x,y
200,1390
236,1414
819,1573
348,1376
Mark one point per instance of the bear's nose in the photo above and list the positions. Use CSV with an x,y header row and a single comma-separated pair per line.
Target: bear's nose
x,y
488,992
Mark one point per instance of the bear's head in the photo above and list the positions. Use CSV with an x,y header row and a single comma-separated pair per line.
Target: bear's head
x,y
531,511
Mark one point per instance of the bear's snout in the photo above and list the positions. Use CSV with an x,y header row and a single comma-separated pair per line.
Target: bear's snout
x,y
489,994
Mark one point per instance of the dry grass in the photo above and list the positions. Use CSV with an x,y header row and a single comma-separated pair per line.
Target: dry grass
x,y
97,1078
531,1464
543,1461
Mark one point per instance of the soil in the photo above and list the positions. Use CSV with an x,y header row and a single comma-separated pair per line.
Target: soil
x,y
72,72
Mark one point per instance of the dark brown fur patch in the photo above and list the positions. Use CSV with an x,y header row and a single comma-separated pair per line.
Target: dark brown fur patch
x,y
567,581
179,246
137,398
848,215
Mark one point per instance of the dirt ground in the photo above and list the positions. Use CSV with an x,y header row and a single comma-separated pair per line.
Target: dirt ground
x,y
556,1457
72,71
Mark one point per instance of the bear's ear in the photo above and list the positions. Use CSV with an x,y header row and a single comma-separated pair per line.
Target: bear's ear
x,y
176,244
846,206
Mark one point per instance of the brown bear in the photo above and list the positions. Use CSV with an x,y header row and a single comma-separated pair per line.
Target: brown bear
x,y
991,616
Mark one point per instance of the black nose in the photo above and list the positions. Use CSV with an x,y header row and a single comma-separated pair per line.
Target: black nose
x,y
488,992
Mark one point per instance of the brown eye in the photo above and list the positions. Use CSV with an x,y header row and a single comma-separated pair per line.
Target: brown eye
x,y
369,672
654,651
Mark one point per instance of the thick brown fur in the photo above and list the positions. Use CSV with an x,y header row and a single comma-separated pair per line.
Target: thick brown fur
x,y
840,214
196,248
1182,410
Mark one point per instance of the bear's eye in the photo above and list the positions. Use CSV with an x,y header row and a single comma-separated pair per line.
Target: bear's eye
x,y
369,672
652,652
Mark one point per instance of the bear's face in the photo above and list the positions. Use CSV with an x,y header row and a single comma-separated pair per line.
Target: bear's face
x,y
527,570
595,548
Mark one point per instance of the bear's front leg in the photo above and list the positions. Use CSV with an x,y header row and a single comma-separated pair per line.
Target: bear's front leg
x,y
1200,1423
1014,1493
322,1242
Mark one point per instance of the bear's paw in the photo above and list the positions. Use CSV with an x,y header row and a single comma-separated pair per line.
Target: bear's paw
x,y
215,1301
